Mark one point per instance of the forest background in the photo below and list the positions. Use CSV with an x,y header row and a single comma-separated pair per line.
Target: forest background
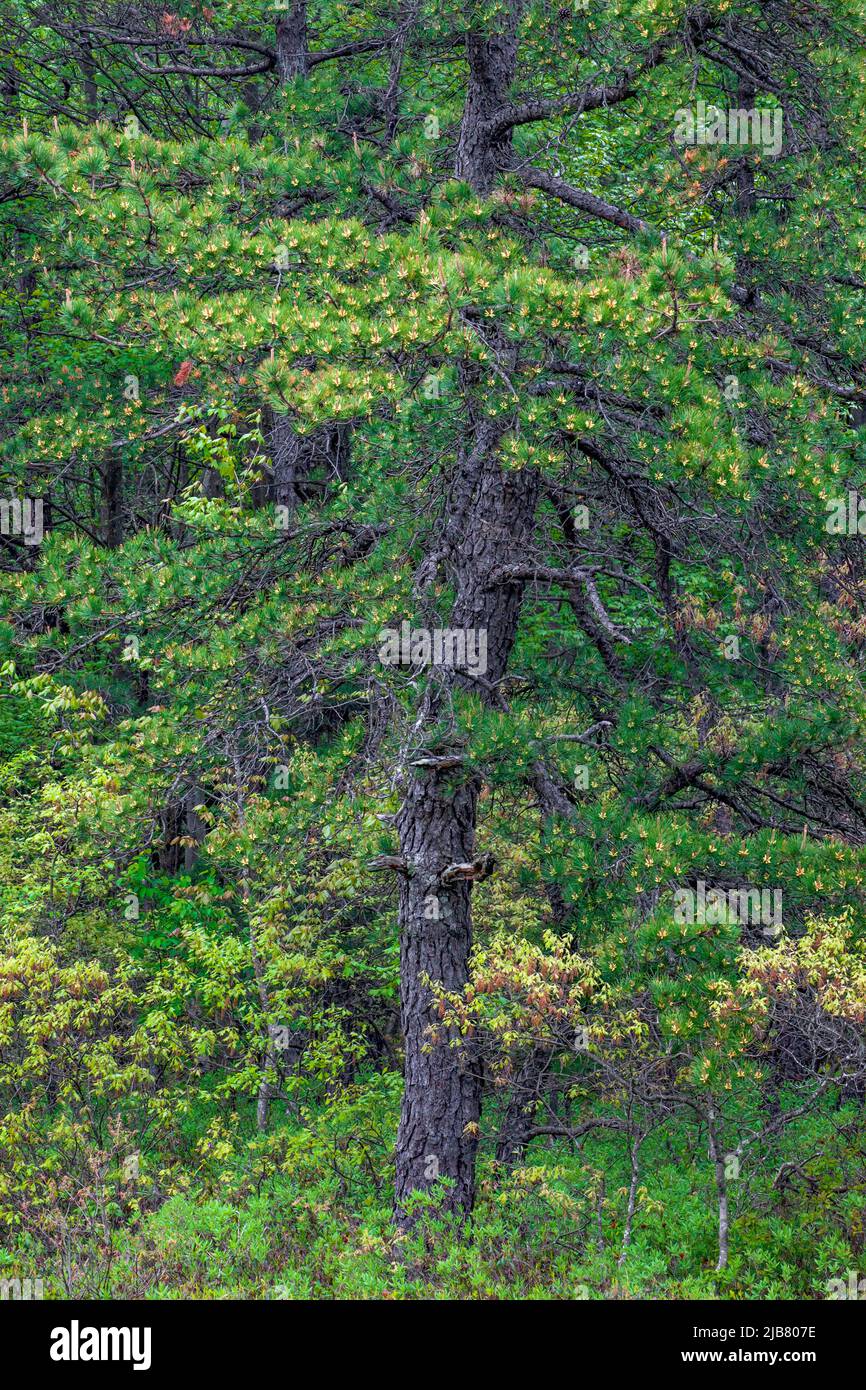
x,y
432,618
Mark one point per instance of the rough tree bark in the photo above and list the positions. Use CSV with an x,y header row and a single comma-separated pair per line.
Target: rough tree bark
x,y
492,60
442,1091
297,459
111,477
292,44
490,513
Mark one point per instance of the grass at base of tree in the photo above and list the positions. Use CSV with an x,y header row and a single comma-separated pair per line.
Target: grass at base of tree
x,y
305,1214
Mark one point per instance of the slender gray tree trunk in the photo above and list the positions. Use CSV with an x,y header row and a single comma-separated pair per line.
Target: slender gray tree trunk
x,y
717,1159
517,1122
632,1198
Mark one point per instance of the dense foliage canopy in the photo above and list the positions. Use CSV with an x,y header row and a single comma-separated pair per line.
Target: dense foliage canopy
x,y
432,616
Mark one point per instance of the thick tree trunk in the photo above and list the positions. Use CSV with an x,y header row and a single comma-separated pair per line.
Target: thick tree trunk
x,y
490,514
292,44
497,509
492,62
442,1092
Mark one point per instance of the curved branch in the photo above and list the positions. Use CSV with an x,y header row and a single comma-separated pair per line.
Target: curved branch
x,y
595,94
